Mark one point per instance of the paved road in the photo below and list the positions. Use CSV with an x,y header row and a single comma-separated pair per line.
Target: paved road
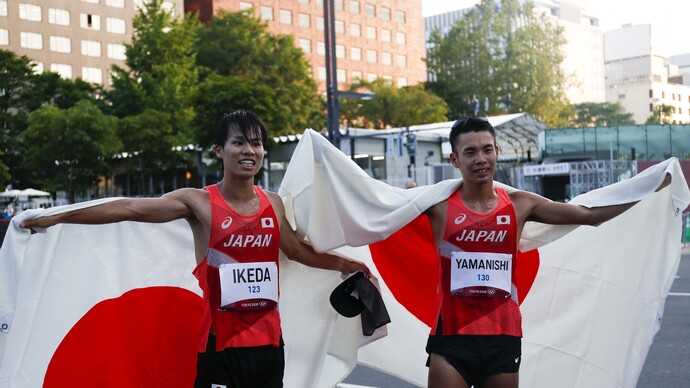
x,y
668,361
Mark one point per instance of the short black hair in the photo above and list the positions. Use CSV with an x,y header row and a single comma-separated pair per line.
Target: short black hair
x,y
469,124
240,121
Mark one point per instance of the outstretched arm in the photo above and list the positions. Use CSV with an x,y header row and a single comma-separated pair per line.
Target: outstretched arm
x,y
297,250
174,205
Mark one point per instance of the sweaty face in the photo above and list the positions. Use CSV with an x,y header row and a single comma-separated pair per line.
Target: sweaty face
x,y
475,156
242,156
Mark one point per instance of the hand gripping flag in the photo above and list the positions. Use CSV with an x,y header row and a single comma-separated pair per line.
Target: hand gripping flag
x,y
116,305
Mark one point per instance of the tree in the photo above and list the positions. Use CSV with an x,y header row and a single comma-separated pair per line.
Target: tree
x,y
393,107
593,114
150,141
23,91
68,150
661,115
239,46
162,73
499,59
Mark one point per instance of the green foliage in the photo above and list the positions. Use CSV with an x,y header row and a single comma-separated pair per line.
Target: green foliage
x,y
162,73
68,149
593,114
661,115
25,92
272,73
503,53
149,140
393,107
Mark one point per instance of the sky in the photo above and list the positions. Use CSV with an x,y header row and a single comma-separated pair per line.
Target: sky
x,y
670,19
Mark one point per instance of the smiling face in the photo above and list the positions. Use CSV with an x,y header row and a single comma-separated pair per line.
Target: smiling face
x,y
242,155
475,155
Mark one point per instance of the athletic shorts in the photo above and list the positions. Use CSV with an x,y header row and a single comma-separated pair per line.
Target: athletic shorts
x,y
477,357
260,366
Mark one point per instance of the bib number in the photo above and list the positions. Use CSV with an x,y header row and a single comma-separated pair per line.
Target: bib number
x,y
248,286
482,274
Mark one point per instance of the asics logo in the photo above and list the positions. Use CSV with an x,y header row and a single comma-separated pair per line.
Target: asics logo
x,y
226,222
460,219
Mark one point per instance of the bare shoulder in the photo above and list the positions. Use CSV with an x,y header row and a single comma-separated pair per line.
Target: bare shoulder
x,y
276,202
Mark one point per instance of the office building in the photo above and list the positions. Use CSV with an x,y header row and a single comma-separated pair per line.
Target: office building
x,y
76,38
643,80
382,38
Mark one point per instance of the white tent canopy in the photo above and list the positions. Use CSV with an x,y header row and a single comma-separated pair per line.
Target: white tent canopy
x,y
24,193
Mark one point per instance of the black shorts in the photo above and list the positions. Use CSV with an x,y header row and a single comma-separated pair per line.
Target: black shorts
x,y
260,366
477,357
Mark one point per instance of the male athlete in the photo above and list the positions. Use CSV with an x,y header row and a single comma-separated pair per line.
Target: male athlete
x,y
238,229
477,338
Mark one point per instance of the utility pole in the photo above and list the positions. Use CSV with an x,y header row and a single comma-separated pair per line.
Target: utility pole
x,y
333,116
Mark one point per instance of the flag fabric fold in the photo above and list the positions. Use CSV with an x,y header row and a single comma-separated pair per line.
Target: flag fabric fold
x,y
593,297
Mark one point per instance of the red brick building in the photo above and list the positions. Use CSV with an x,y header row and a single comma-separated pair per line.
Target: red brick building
x,y
374,38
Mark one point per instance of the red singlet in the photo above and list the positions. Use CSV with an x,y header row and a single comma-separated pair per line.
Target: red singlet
x,y
238,238
493,232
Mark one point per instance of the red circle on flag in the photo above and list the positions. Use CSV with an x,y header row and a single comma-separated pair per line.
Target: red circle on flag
x,y
147,337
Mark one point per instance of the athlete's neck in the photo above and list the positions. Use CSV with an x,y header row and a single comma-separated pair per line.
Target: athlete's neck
x,y
479,198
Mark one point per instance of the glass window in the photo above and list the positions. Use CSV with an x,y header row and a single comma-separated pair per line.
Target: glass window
x,y
90,21
370,10
338,5
3,8
321,73
304,1
385,35
116,51
385,13
321,48
65,71
115,3
356,53
319,23
244,5
305,45
354,7
116,26
285,16
371,32
30,12
58,16
4,37
38,67
31,40
92,74
400,38
400,16
371,77
87,1
90,48
341,75
402,61
303,20
339,27
355,29
339,51
402,82
356,75
371,56
60,44
266,13
387,58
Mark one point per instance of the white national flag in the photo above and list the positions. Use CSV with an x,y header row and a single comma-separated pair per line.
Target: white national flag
x,y
116,305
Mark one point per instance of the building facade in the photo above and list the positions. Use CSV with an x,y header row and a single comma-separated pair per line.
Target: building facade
x,y
641,79
76,39
583,61
374,39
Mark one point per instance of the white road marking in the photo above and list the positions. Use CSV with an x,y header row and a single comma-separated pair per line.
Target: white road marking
x,y
679,293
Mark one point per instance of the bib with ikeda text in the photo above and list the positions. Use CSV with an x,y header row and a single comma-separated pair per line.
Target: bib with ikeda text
x,y
483,274
248,286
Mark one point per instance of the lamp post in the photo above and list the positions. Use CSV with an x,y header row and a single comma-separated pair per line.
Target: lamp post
x,y
333,115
